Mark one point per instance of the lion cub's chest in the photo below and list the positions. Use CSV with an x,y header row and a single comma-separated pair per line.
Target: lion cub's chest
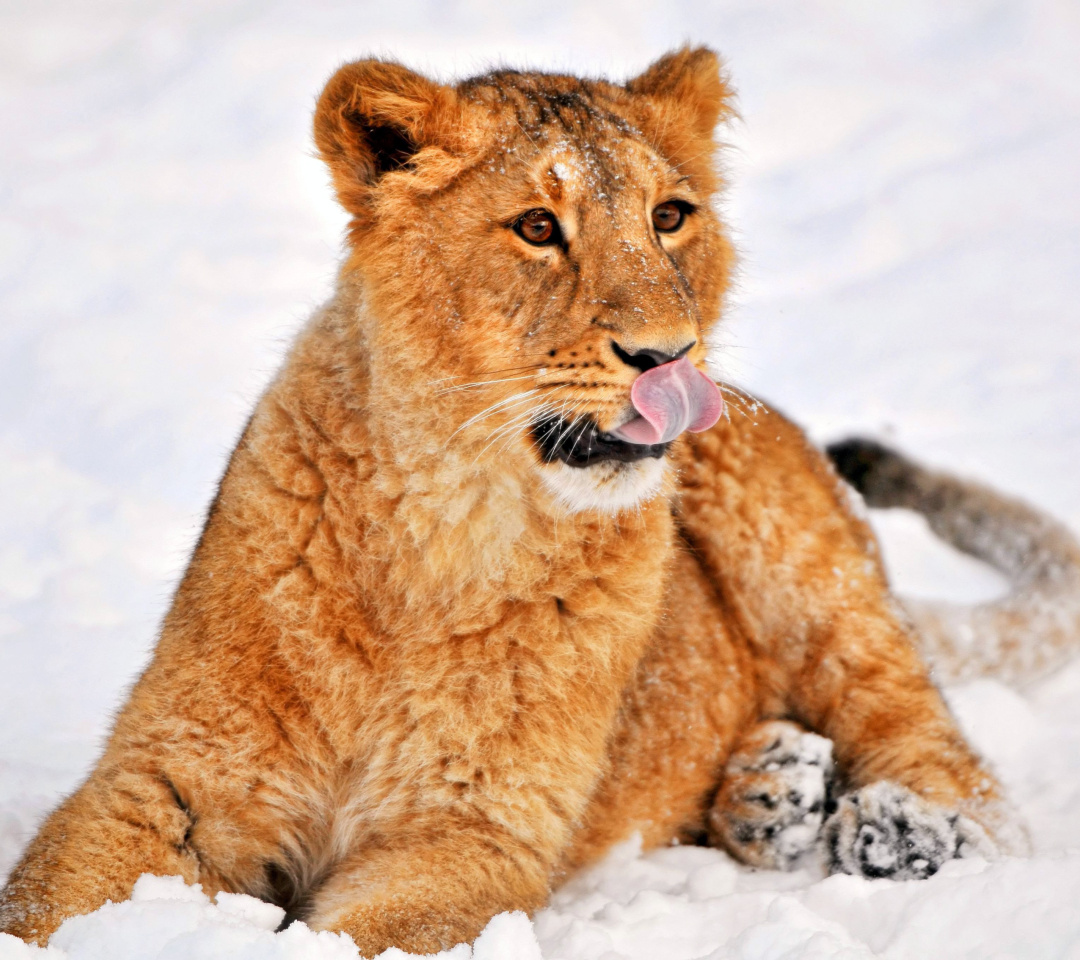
x,y
510,723
446,664
568,651
509,697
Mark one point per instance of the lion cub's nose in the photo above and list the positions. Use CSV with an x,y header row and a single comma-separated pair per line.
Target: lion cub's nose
x,y
646,359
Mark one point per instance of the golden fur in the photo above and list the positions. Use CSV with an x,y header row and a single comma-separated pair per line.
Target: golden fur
x,y
414,674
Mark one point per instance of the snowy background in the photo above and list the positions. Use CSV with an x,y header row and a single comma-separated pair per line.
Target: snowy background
x,y
906,195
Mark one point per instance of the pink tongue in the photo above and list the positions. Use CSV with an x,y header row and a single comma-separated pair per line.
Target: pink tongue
x,y
669,399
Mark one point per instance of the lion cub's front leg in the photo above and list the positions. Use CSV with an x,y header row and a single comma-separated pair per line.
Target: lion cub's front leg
x,y
93,848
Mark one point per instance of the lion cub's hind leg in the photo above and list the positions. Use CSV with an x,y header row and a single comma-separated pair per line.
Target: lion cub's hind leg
x,y
773,798
885,830
775,808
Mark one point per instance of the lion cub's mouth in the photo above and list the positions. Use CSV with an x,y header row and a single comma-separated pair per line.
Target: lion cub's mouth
x,y
667,399
580,443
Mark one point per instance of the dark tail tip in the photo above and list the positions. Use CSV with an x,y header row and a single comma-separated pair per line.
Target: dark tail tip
x,y
881,475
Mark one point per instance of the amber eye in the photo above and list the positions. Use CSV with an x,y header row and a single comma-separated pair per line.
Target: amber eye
x,y
538,226
668,217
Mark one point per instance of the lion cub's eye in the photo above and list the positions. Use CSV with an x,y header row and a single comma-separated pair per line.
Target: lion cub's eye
x,y
668,217
539,227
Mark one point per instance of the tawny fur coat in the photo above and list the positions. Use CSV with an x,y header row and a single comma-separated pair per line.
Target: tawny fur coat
x,y
421,664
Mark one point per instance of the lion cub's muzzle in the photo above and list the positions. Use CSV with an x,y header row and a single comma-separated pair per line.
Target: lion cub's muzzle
x,y
668,399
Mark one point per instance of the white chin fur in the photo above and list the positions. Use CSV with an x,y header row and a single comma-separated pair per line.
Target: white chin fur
x,y
608,486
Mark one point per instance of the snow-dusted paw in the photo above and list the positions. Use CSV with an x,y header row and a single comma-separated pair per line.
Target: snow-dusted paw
x,y
885,830
771,803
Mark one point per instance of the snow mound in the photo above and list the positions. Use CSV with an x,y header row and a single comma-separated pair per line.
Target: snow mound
x,y
165,918
681,903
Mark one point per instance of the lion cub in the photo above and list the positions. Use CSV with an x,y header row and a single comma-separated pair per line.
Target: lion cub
x,y
484,590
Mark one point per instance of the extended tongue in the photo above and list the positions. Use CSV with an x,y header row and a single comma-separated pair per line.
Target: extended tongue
x,y
669,399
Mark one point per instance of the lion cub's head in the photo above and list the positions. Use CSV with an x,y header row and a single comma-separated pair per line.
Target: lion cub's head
x,y
527,246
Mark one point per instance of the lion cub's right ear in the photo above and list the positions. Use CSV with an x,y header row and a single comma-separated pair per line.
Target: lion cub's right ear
x,y
374,117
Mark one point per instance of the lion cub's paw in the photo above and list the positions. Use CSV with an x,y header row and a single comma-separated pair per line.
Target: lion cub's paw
x,y
772,801
885,830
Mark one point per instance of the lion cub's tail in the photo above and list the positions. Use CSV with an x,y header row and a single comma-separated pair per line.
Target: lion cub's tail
x,y
1026,634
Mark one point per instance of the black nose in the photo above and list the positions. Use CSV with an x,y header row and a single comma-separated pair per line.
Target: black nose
x,y
647,359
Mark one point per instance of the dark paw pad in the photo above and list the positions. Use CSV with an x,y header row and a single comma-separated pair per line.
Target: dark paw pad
x,y
884,830
772,801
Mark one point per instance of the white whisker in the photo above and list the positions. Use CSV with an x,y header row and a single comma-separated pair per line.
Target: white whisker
x,y
476,384
494,408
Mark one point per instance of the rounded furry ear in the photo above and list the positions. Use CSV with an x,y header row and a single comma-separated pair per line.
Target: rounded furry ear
x,y
375,116
690,79
684,96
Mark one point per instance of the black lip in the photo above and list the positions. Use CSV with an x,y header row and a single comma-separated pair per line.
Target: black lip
x,y
580,444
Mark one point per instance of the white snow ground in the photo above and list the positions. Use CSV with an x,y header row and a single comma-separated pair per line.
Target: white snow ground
x,y
907,198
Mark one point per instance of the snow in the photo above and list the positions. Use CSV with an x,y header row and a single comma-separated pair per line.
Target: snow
x,y
906,195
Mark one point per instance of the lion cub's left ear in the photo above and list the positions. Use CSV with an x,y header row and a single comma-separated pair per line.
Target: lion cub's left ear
x,y
684,96
374,117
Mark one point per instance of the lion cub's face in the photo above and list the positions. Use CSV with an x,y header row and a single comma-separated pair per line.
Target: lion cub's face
x,y
528,246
